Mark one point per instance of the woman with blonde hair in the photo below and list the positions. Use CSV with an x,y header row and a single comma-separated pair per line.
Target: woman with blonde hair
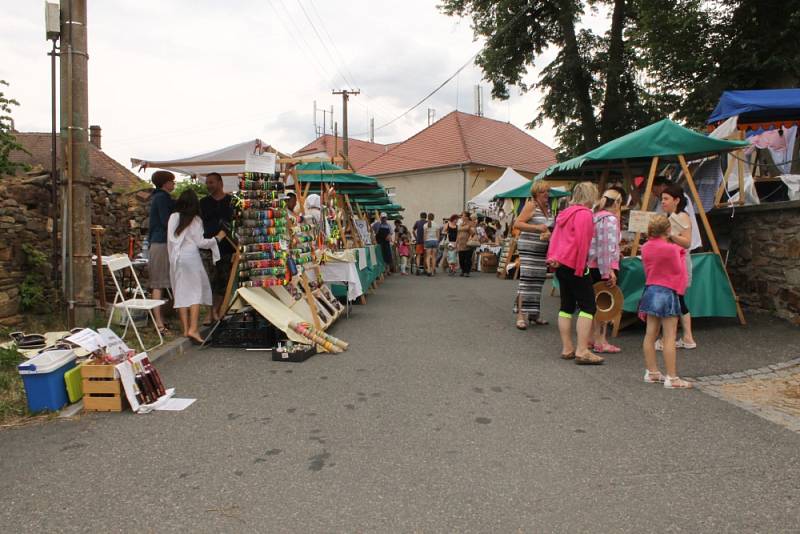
x,y
568,254
604,255
534,223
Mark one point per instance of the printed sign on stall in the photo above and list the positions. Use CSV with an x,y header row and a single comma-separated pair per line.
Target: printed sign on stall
x,y
263,163
639,221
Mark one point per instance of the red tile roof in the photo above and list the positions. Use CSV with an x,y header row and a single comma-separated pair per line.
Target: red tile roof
x,y
361,152
463,138
101,165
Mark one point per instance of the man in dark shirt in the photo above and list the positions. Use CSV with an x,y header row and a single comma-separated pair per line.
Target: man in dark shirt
x,y
216,211
419,239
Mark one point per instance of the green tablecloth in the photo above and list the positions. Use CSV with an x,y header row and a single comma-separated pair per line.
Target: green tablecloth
x,y
367,274
710,294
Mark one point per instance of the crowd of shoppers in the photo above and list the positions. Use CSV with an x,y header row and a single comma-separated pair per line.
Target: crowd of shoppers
x,y
581,246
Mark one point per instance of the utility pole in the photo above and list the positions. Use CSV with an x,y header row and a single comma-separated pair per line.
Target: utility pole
x,y
74,146
345,97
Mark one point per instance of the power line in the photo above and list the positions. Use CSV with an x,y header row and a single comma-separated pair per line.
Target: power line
x,y
333,43
309,50
324,47
426,97
456,73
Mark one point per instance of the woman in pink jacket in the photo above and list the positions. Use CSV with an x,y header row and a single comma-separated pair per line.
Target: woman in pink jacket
x,y
568,254
666,277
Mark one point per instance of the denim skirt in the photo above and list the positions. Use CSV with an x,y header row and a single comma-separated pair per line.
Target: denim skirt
x,y
660,301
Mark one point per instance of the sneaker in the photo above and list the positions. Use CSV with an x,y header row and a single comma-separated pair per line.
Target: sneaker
x,y
659,345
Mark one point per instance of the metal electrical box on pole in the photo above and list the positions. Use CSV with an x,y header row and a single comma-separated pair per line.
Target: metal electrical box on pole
x,y
79,283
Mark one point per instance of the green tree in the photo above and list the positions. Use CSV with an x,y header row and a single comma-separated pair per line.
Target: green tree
x,y
183,185
693,50
8,143
659,58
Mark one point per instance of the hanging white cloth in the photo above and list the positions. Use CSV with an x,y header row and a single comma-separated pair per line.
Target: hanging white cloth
x,y
190,283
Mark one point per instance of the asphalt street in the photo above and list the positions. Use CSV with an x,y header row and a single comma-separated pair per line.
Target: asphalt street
x,y
442,417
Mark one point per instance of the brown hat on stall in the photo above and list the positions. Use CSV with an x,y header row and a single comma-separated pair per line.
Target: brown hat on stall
x,y
609,301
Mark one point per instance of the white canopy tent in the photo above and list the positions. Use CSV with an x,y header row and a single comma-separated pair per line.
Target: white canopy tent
x,y
228,162
509,180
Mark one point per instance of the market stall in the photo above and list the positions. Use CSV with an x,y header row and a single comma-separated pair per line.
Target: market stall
x,y
768,170
658,149
352,263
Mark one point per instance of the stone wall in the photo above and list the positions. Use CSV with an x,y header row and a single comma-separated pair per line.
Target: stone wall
x,y
764,255
26,218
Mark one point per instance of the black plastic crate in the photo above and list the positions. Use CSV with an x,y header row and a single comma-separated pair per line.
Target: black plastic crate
x,y
245,330
294,357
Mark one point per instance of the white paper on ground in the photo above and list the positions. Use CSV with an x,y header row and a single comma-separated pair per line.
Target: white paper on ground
x,y
147,408
176,405
87,339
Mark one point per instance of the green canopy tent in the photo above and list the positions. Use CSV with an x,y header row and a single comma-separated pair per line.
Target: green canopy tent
x,y
635,151
639,153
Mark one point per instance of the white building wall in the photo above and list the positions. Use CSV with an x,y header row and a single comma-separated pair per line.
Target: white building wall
x,y
438,191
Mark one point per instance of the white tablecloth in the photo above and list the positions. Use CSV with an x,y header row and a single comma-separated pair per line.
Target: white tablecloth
x,y
343,272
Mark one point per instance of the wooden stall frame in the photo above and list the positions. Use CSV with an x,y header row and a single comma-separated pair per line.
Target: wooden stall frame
x,y
703,218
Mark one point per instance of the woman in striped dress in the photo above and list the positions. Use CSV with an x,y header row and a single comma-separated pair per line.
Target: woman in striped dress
x,y
534,224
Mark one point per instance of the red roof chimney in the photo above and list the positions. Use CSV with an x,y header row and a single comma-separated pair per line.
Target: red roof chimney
x,y
95,136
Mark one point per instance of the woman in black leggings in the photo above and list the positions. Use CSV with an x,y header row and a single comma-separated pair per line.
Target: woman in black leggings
x,y
568,253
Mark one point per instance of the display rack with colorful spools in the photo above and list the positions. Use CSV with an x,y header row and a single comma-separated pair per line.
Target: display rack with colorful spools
x,y
262,228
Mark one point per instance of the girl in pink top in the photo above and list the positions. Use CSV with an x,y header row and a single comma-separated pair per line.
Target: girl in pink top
x,y
665,279
403,250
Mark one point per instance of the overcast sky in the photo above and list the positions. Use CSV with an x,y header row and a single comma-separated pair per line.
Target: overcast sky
x,y
175,78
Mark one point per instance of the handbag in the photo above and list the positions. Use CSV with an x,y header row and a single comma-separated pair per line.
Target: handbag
x,y
473,242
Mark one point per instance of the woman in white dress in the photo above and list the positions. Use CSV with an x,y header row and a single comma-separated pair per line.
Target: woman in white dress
x,y
190,284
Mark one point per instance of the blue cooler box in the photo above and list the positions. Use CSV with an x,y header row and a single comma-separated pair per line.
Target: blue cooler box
x,y
43,376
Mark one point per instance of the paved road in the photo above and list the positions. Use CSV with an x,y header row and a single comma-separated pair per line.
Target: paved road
x,y
441,417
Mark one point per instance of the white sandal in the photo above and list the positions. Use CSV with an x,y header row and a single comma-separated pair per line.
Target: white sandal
x,y
676,382
681,344
653,377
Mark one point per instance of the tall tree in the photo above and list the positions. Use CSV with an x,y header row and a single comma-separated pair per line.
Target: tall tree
x,y
578,87
659,58
517,34
692,50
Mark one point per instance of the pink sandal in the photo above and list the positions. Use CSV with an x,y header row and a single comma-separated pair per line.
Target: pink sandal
x,y
607,348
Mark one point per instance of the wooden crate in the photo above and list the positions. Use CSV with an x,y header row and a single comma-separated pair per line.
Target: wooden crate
x,y
101,391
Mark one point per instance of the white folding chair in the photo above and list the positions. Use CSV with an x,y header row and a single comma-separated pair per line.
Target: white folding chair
x,y
138,301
